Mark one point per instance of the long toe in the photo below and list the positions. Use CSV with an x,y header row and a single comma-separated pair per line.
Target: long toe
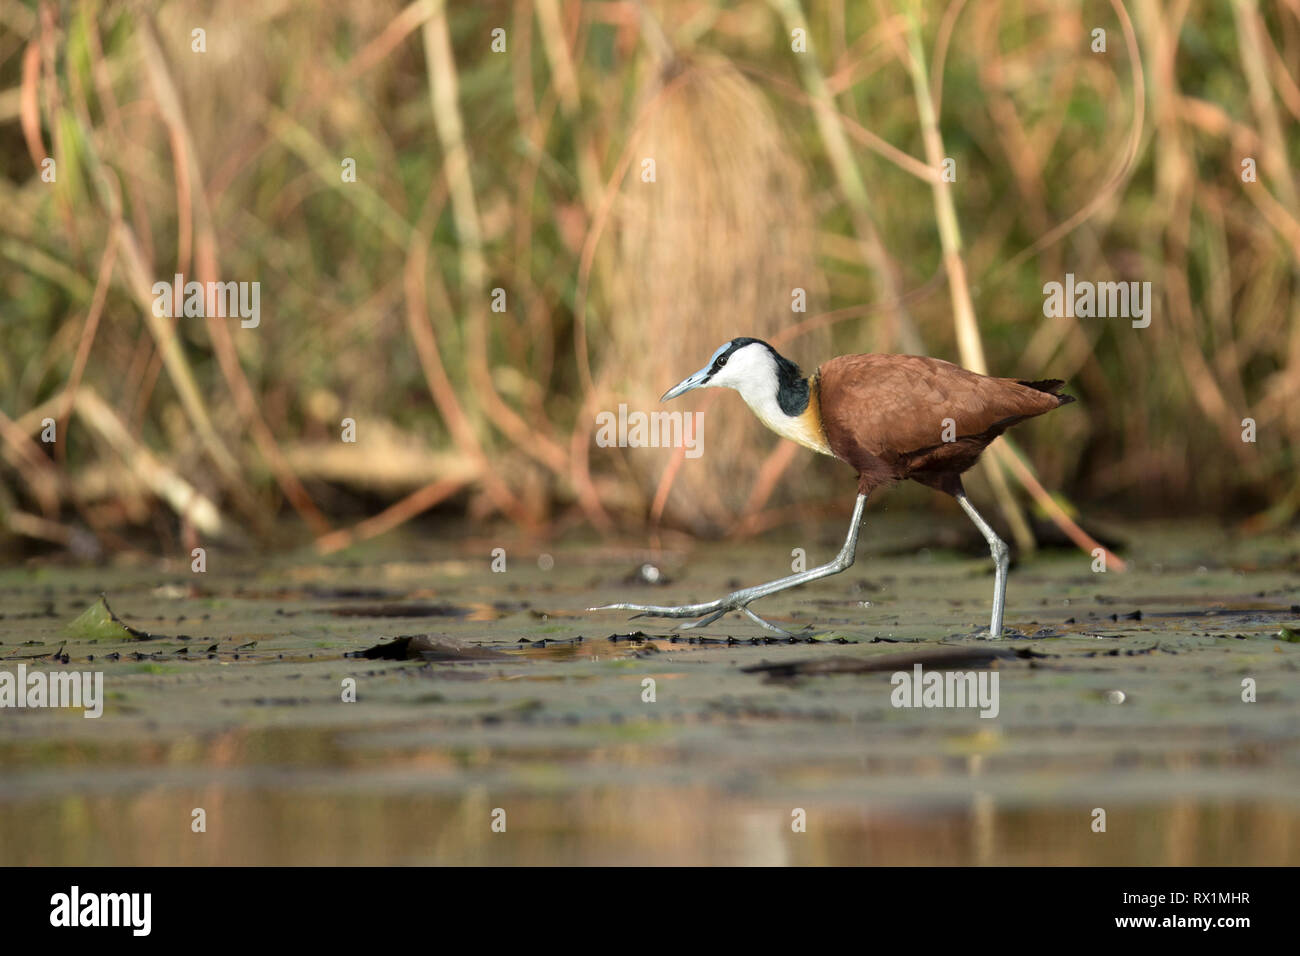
x,y
704,621
767,624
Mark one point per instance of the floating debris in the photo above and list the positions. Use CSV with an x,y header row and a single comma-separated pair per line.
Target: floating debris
x,y
415,647
647,573
636,637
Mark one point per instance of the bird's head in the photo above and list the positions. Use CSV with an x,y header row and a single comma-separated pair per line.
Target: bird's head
x,y
771,385
750,366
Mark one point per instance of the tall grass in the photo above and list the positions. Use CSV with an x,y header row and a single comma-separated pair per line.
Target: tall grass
x,y
521,171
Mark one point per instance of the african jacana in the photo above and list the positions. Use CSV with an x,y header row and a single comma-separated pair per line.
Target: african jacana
x,y
891,417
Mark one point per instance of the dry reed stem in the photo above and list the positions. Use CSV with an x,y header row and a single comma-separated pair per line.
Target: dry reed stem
x,y
1085,541
1124,166
183,498
881,147
29,103
851,183
41,529
88,330
969,344
440,387
209,271
443,90
391,517
1254,64
564,76
41,477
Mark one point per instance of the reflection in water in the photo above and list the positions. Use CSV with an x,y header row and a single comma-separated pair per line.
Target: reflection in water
x,y
320,799
612,826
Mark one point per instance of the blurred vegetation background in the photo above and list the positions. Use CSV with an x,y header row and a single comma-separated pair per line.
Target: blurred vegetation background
x,y
480,169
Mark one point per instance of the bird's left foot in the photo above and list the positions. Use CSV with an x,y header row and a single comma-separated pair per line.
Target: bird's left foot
x,y
706,613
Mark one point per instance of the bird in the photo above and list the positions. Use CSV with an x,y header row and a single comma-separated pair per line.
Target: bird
x,y
891,418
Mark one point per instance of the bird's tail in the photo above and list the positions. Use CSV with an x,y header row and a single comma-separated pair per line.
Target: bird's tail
x,y
1052,386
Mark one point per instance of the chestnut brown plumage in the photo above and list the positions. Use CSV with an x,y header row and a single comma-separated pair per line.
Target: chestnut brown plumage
x,y
908,416
890,417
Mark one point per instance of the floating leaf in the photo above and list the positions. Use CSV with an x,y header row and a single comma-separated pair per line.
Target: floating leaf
x,y
99,623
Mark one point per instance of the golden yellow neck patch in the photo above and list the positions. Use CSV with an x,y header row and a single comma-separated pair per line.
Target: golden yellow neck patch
x,y
804,428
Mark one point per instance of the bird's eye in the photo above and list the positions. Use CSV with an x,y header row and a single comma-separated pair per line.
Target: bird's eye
x,y
722,361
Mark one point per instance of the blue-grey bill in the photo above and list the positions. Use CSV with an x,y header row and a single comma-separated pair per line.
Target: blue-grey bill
x,y
686,384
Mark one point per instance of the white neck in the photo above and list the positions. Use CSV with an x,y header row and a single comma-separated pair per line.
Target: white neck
x,y
752,371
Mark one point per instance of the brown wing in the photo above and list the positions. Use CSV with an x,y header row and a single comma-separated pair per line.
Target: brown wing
x,y
891,407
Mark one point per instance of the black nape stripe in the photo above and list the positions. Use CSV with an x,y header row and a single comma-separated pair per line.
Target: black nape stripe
x,y
791,386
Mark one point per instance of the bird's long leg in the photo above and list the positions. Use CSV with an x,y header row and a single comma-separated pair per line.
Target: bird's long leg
x,y
737,600
1001,558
